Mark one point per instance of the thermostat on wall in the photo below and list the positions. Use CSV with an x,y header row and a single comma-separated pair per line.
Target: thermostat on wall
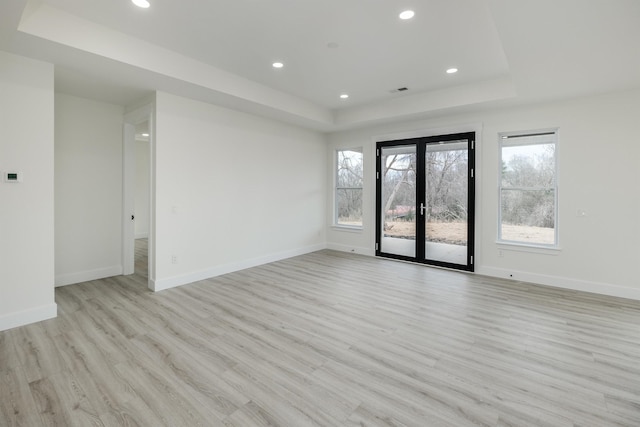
x,y
12,176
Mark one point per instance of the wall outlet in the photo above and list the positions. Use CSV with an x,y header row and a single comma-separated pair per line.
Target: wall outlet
x,y
500,253
174,259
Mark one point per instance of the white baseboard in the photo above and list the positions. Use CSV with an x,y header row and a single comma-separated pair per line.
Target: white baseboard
x,y
351,249
85,276
541,279
172,282
563,282
555,281
142,236
25,317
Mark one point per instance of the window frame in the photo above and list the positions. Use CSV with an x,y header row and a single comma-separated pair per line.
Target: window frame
x,y
336,188
554,138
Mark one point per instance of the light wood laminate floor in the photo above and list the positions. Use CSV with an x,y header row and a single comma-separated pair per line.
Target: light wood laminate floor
x,y
325,339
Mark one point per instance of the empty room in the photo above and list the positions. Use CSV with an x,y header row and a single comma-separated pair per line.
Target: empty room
x,y
336,213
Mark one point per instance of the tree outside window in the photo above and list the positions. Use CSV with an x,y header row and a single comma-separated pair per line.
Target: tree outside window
x,y
528,188
349,181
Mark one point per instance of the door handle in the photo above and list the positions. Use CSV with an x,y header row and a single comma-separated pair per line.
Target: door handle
x,y
422,208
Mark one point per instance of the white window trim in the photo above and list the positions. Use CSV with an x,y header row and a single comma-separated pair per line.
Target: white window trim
x,y
519,245
507,245
335,225
347,228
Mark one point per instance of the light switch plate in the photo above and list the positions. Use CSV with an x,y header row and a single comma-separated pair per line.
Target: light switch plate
x,y
12,177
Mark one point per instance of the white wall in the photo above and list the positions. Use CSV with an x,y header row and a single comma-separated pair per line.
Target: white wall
x,y
142,190
233,190
26,209
598,153
88,189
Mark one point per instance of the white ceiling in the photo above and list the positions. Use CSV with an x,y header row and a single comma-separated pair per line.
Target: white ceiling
x,y
220,51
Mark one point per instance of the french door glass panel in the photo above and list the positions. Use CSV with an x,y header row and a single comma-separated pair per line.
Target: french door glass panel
x,y
446,201
425,200
398,200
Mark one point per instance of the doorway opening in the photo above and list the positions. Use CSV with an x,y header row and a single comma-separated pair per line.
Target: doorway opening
x,y
425,198
141,200
138,250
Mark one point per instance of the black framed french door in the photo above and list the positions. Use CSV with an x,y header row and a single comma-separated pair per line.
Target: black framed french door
x,y
425,198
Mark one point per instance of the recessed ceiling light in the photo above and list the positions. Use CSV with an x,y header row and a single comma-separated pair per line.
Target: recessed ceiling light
x,y
407,14
452,70
277,65
344,96
141,3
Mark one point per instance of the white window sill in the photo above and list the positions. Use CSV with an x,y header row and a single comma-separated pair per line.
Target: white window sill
x,y
347,228
524,247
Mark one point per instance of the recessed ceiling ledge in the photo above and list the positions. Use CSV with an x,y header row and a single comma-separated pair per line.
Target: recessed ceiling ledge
x,y
52,24
427,102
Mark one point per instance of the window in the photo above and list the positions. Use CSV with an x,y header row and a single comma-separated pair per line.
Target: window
x,y
348,202
528,188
